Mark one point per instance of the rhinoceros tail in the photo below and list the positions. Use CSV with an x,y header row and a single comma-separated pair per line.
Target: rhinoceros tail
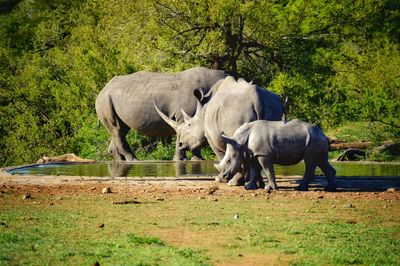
x,y
98,123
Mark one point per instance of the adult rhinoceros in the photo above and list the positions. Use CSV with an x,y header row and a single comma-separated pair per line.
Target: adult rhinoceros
x,y
127,102
231,104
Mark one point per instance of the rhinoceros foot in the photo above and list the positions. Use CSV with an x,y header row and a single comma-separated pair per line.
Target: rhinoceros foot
x,y
178,158
269,188
301,188
251,186
259,183
237,180
220,179
196,158
330,188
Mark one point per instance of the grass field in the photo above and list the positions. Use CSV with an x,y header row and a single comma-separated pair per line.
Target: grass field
x,y
196,225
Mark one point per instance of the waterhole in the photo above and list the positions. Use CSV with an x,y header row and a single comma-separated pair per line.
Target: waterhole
x,y
188,169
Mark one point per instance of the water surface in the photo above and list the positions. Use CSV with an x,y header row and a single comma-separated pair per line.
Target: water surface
x,y
191,169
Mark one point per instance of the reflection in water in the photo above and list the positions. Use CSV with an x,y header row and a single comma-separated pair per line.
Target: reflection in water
x,y
180,169
175,169
119,169
192,168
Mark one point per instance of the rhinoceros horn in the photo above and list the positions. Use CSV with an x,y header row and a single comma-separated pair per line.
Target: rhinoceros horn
x,y
169,121
198,109
186,117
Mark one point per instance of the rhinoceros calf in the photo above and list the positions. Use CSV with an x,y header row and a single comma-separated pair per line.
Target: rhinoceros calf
x,y
127,102
264,143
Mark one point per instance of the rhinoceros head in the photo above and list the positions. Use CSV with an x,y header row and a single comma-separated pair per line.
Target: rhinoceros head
x,y
234,156
190,133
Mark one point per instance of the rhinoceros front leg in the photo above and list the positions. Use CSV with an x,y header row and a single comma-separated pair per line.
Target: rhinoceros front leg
x,y
268,168
254,173
196,155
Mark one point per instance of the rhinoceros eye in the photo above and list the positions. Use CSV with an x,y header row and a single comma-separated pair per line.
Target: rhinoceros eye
x,y
228,161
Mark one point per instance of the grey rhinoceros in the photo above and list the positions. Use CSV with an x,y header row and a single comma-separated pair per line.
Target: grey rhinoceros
x,y
260,144
229,104
127,102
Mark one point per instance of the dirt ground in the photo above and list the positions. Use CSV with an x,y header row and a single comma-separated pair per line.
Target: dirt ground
x,y
379,189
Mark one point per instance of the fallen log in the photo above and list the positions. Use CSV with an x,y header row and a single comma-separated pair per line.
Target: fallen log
x,y
350,145
70,158
339,145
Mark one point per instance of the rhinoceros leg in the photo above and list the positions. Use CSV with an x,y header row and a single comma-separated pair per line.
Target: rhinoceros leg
x,y
330,173
219,155
196,155
237,180
119,147
308,176
268,168
180,155
254,172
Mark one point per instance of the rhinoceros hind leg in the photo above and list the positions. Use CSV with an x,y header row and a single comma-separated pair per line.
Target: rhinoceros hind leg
x,y
309,175
119,147
330,173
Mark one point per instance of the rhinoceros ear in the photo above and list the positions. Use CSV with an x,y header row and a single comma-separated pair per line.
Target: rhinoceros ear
x,y
202,95
186,117
169,121
230,141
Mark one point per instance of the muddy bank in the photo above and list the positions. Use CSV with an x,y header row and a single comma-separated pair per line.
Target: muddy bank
x,y
379,187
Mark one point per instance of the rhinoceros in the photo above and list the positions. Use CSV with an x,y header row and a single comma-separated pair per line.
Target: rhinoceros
x,y
127,102
264,143
228,105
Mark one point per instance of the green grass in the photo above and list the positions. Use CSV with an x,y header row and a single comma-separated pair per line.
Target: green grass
x,y
362,131
193,231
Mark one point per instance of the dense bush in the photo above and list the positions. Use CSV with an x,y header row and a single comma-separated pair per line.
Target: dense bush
x,y
337,61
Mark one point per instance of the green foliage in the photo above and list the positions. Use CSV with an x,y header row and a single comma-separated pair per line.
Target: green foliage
x,y
337,61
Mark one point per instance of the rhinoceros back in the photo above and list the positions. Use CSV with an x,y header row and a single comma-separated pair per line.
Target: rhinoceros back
x,y
285,143
131,98
236,103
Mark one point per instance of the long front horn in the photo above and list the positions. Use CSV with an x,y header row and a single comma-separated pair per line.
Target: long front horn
x,y
169,121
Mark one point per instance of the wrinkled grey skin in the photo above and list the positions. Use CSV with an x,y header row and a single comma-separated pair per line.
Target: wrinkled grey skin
x,y
228,105
261,144
127,102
